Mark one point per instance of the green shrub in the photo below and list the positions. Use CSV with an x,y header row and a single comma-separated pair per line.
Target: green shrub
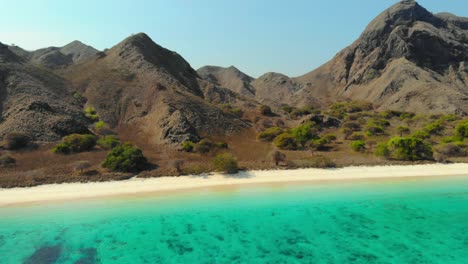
x,y
15,140
303,133
125,158
329,137
373,129
358,145
434,128
450,139
188,146
461,130
225,163
318,144
6,161
91,114
409,148
75,143
108,142
382,150
285,141
100,124
406,115
421,134
270,134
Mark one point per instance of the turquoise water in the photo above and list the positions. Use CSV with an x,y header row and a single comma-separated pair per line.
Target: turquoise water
x,y
411,221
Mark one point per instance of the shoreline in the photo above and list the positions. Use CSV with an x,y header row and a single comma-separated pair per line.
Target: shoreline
x,y
147,186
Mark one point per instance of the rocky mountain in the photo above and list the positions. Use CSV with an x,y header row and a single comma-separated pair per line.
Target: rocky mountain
x,y
36,102
230,78
153,90
57,57
406,59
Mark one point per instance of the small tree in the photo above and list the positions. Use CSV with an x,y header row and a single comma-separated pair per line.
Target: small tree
x,y
178,165
125,158
277,157
225,163
75,143
285,141
81,165
358,145
408,148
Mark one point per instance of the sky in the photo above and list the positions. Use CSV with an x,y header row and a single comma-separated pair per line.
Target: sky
x,y
292,37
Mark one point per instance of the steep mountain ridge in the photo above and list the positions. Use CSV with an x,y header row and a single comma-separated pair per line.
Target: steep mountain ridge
x,y
406,59
57,57
139,84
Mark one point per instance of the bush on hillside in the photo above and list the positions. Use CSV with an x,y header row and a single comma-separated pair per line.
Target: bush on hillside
x,y
285,141
304,133
270,134
108,142
125,158
406,148
91,114
461,130
358,145
75,143
225,163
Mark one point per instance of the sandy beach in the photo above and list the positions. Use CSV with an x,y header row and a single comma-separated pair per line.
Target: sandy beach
x,y
136,186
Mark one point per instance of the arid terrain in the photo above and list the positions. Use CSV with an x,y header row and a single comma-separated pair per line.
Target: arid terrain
x,y
397,95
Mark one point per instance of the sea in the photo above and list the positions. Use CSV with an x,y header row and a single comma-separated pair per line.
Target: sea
x,y
412,220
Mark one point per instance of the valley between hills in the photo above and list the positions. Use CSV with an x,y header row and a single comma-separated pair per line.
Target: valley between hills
x,y
397,95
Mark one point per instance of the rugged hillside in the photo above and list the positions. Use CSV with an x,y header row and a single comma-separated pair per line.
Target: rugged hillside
x,y
54,57
230,78
140,85
36,102
406,59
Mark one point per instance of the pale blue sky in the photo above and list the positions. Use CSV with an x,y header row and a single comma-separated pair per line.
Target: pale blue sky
x,y
257,36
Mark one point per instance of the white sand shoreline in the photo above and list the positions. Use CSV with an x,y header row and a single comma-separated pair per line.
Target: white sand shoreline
x,y
136,186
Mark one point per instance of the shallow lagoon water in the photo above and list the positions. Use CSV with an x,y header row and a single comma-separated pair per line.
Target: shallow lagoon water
x,y
362,221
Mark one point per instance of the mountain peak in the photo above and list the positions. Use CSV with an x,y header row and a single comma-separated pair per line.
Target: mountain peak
x,y
405,13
